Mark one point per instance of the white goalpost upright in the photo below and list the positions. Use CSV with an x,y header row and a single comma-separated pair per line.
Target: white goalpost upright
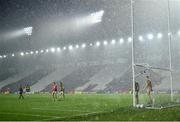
x,y
133,53
133,56
170,54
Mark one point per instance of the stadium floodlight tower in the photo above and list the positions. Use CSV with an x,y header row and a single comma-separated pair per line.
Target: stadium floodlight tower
x,y
28,30
91,19
96,17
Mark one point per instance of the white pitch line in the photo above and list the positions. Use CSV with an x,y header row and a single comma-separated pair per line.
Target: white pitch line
x,y
159,108
86,114
60,110
35,115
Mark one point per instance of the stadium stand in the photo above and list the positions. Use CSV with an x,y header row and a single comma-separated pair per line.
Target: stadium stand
x,y
77,78
15,78
54,76
103,77
5,75
28,80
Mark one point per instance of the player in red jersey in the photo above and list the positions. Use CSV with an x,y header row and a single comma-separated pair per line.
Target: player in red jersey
x,y
54,91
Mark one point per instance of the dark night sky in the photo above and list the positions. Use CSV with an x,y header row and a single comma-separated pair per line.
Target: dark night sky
x,y
48,18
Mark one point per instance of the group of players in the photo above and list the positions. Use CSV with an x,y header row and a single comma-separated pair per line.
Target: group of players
x,y
55,91
61,91
148,88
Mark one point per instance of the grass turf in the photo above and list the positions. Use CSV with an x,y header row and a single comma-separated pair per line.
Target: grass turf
x,y
79,107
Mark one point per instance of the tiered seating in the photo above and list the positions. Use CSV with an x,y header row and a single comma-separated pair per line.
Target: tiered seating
x,y
57,75
5,75
28,80
15,78
77,78
102,78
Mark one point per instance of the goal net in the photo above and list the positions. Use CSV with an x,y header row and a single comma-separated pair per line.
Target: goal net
x,y
160,96
155,53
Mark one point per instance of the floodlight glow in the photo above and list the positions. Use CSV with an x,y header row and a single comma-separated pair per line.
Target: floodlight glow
x,y
91,44
140,38
70,47
64,48
121,40
129,40
26,53
105,42
113,41
58,49
4,56
42,51
0,56
37,52
83,45
13,55
159,35
47,50
169,33
179,32
150,36
96,17
77,46
22,54
28,30
52,50
31,52
98,44
93,18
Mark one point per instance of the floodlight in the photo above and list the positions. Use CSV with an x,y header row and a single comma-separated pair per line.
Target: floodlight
x,y
47,50
58,49
105,42
169,33
42,51
52,50
26,53
98,43
83,45
22,54
159,35
113,41
91,44
70,47
140,38
28,30
4,56
13,55
96,17
77,46
150,36
179,32
31,52
64,48
37,52
129,40
121,40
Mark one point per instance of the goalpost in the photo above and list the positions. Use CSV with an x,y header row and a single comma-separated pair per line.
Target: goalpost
x,y
162,80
